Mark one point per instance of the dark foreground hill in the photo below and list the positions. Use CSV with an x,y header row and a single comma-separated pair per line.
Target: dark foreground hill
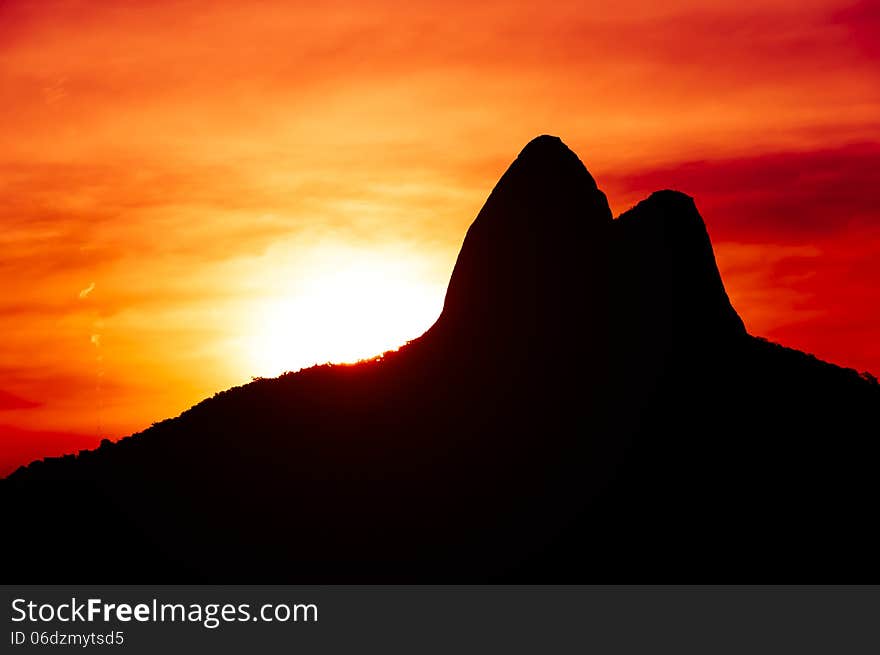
x,y
588,408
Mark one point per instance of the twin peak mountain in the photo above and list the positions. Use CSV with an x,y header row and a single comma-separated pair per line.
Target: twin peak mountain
x,y
545,256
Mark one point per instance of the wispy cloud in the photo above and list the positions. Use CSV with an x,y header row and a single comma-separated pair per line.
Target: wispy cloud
x,y
794,195
85,292
9,400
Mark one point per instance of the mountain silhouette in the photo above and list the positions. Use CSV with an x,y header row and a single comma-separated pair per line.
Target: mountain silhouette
x,y
588,408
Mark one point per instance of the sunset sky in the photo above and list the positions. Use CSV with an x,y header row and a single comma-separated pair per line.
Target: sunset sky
x,y
194,193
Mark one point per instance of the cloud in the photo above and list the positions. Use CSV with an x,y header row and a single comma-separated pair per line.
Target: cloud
x,y
9,400
85,292
862,21
792,196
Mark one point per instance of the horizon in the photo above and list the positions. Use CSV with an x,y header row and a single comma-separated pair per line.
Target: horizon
x,y
182,216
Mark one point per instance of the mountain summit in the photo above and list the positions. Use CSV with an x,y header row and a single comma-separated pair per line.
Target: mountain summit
x,y
542,233
588,408
666,269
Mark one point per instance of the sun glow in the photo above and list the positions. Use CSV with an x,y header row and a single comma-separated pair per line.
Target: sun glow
x,y
343,312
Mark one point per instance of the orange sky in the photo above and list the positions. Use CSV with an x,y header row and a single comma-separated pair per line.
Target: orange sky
x,y
195,193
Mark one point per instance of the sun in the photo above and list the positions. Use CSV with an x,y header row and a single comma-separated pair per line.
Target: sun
x,y
343,311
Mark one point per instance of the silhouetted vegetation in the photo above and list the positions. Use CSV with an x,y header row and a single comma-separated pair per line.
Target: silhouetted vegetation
x,y
588,408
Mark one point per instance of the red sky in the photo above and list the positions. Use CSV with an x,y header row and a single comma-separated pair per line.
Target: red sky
x,y
195,193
